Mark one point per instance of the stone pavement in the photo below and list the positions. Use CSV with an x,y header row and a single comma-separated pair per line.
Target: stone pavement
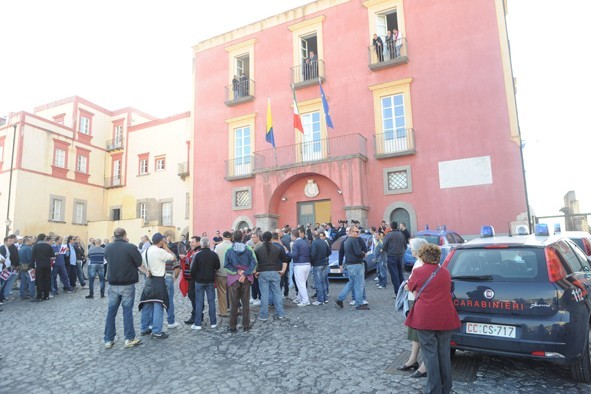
x,y
56,347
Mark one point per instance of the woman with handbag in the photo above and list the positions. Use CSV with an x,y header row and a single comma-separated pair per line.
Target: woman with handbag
x,y
434,316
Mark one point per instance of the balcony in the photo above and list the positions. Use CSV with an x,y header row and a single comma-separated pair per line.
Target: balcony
x,y
239,168
395,143
241,91
113,182
183,170
115,144
307,74
310,152
392,55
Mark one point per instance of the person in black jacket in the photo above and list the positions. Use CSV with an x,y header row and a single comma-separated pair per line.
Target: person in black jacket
x,y
272,264
41,262
203,272
319,253
124,260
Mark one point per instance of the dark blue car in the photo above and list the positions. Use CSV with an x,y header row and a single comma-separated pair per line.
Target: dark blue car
x,y
441,236
523,296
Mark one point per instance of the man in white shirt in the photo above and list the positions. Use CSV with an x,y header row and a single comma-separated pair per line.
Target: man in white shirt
x,y
155,295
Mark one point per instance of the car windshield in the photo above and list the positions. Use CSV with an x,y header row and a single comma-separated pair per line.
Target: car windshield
x,y
503,264
432,239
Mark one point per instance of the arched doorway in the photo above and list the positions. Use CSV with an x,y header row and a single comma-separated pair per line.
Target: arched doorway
x,y
241,225
401,215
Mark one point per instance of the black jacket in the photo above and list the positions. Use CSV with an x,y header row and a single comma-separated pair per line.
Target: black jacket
x,y
124,259
42,254
319,253
271,260
394,243
14,259
204,266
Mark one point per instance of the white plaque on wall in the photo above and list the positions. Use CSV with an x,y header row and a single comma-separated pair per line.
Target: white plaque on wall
x,y
465,172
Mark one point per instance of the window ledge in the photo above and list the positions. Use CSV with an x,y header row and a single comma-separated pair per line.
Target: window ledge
x,y
245,99
80,224
389,63
380,156
237,177
146,174
56,221
84,138
308,82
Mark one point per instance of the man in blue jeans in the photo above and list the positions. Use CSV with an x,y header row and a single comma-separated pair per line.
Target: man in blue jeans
x,y
203,272
356,269
96,265
319,253
394,246
272,264
27,287
124,260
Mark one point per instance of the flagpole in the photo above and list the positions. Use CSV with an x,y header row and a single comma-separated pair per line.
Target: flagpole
x,y
274,150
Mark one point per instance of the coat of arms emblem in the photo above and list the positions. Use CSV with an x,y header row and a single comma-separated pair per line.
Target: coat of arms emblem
x,y
311,189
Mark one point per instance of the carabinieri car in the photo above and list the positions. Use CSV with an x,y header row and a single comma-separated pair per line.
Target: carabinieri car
x,y
524,296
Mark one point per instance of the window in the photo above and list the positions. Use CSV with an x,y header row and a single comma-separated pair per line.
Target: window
x,y
59,159
56,208
1,151
241,70
81,163
311,144
242,198
84,125
79,216
393,116
143,166
397,180
118,134
308,51
166,213
116,172
116,213
142,210
242,151
160,164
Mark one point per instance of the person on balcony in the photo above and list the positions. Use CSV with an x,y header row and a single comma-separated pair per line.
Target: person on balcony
x,y
313,64
236,87
397,42
243,85
378,45
390,44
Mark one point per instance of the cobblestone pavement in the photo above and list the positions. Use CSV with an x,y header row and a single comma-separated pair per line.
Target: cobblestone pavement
x,y
56,346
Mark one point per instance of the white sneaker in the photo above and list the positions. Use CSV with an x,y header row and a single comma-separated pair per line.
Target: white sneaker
x,y
317,303
214,326
296,301
365,302
304,304
252,301
109,344
256,303
381,287
194,327
352,303
376,278
174,325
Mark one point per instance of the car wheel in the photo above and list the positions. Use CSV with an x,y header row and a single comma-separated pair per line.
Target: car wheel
x,y
581,370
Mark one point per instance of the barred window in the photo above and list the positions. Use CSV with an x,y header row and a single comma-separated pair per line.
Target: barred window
x,y
242,198
397,180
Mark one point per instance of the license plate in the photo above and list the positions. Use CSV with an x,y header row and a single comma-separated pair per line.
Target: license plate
x,y
493,330
335,271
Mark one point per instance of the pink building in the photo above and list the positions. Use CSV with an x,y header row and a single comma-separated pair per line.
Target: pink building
x,y
425,127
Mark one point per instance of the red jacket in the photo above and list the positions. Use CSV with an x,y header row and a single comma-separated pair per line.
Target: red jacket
x,y
434,309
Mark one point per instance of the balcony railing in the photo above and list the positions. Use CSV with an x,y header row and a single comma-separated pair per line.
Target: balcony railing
x,y
183,170
392,54
307,73
241,90
394,143
309,152
114,144
240,167
112,182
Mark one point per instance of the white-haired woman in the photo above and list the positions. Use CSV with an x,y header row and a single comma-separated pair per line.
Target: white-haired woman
x,y
413,336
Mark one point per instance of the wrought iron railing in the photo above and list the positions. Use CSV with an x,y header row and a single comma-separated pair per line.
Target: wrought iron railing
x,y
398,142
240,90
240,167
113,182
390,52
307,152
183,169
308,72
115,144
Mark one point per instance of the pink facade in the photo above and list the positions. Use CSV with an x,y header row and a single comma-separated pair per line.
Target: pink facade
x,y
453,62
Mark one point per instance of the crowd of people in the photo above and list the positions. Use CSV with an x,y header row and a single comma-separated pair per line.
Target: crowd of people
x,y
234,270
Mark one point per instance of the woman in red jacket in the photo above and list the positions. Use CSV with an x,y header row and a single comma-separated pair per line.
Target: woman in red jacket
x,y
434,316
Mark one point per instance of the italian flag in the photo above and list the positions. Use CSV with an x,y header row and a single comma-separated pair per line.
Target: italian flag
x,y
297,121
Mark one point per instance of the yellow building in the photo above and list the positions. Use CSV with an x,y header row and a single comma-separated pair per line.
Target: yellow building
x,y
81,169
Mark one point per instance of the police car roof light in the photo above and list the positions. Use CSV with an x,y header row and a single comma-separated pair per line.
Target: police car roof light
x,y
487,231
542,229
